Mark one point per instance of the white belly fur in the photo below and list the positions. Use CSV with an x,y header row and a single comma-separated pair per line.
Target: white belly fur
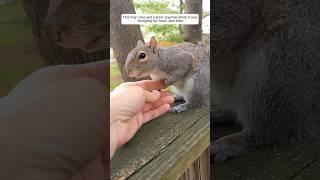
x,y
180,88
183,87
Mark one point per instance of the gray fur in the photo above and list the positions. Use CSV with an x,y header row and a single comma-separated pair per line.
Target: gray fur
x,y
176,66
266,69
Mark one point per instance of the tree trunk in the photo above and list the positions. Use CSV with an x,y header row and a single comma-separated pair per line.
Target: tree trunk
x,y
181,12
123,37
51,53
193,33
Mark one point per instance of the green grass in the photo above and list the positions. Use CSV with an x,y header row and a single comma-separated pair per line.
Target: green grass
x,y
13,34
15,31
115,76
8,10
14,27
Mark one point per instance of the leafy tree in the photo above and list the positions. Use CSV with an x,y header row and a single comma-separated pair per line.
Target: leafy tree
x,y
170,33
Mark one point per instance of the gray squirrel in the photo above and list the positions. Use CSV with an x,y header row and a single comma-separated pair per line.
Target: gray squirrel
x,y
266,70
185,66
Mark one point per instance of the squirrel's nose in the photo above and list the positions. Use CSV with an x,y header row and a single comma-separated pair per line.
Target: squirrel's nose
x,y
53,33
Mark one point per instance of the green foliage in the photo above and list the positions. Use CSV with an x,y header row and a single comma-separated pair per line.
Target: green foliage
x,y
163,32
152,7
166,32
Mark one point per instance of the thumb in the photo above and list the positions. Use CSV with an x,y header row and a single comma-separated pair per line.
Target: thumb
x,y
151,96
95,70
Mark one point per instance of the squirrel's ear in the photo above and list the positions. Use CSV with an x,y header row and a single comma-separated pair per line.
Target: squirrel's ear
x,y
153,43
140,43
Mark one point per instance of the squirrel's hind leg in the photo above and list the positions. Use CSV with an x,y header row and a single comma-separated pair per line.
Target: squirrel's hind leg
x,y
230,146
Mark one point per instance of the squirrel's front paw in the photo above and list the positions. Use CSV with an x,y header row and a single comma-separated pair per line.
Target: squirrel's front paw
x,y
178,109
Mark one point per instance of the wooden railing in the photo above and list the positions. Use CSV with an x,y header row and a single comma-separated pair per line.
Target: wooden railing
x,y
174,146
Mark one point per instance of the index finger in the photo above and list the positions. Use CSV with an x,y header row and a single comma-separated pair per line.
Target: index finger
x,y
147,84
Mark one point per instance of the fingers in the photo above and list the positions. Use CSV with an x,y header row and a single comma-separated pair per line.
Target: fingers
x,y
96,70
164,94
151,84
151,96
146,84
155,113
165,99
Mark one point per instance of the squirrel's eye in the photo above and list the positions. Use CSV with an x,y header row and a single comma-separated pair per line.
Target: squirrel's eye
x,y
142,55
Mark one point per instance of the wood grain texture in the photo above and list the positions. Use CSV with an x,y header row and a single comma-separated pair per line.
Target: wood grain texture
x,y
311,172
200,169
179,155
299,161
158,142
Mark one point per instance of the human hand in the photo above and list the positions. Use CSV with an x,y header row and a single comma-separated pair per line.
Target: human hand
x,y
131,105
54,124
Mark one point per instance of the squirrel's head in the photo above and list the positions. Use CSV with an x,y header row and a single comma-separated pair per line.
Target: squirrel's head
x,y
140,60
77,24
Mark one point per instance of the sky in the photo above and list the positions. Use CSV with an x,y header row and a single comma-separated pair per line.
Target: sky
x,y
206,5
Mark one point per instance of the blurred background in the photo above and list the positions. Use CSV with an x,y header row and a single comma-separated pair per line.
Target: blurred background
x,y
167,35
24,47
19,55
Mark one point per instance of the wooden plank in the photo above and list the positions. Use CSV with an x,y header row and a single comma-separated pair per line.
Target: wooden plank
x,y
269,163
311,172
177,157
200,169
150,141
